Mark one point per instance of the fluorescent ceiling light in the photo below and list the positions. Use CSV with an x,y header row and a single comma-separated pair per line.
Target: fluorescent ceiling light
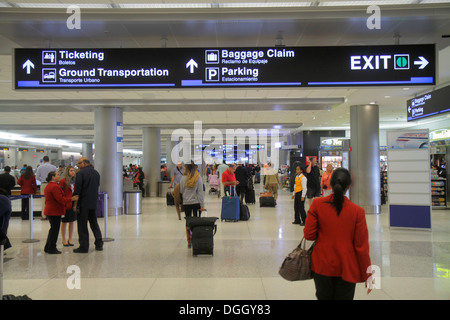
x,y
221,5
53,142
363,3
163,5
263,4
61,5
434,1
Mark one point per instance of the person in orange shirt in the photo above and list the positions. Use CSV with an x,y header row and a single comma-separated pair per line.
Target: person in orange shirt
x,y
325,182
340,258
299,196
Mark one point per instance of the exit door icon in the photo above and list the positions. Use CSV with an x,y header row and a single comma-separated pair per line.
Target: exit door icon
x,y
401,61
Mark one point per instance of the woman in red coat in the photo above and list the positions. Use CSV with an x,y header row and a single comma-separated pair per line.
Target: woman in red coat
x,y
28,183
55,207
340,258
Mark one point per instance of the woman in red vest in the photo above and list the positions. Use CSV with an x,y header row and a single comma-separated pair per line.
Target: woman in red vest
x,y
28,183
55,207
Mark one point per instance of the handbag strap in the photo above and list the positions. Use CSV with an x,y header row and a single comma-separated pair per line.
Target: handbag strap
x,y
304,244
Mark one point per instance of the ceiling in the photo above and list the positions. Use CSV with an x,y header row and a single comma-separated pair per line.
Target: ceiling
x,y
177,23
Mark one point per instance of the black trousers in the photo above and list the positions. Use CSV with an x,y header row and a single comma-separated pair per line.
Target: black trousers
x,y
299,208
53,233
25,208
240,190
192,210
141,187
333,288
84,216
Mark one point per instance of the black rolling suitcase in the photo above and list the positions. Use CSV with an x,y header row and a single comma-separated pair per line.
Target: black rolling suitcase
x,y
203,231
250,196
244,212
250,193
266,199
170,200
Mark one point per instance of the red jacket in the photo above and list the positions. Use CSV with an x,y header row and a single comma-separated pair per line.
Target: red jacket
x,y
55,201
28,185
342,242
67,193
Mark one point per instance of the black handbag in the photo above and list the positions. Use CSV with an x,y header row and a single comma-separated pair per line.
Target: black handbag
x,y
297,265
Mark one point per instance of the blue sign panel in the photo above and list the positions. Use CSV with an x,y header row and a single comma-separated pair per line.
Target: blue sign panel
x,y
224,67
433,103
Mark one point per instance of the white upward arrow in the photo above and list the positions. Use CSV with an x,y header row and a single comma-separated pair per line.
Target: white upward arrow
x,y
28,64
191,65
422,62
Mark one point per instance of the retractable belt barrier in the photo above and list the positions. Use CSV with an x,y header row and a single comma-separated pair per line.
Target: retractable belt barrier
x,y
105,216
30,208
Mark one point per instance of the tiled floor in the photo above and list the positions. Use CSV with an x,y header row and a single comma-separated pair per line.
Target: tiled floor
x,y
149,259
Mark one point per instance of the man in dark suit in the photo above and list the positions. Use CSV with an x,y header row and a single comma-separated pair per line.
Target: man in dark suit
x,y
5,215
7,181
87,183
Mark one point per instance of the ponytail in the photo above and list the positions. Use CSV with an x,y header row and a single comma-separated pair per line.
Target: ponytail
x,y
340,181
50,176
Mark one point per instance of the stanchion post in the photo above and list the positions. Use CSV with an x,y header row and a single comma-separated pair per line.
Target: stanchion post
x,y
105,217
30,209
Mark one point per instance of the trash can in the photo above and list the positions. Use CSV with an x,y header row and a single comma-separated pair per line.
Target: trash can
x,y
132,202
163,187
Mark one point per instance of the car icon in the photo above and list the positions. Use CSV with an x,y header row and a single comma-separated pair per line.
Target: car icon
x,y
50,76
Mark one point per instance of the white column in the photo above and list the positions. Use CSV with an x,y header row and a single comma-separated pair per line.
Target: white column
x,y
109,155
365,157
151,163
87,151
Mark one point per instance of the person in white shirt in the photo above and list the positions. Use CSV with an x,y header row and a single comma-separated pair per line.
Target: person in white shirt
x,y
221,169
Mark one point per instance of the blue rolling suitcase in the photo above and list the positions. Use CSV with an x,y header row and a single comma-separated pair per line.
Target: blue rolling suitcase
x,y
230,208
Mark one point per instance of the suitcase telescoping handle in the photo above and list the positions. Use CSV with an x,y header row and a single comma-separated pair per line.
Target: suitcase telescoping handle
x,y
235,192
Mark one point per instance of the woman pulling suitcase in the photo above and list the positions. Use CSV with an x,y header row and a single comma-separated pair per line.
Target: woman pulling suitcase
x,y
191,190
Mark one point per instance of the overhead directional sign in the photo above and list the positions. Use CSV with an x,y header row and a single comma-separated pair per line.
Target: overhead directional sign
x,y
410,65
433,103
